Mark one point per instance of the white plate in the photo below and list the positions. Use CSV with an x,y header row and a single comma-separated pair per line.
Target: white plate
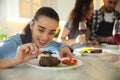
x,y
110,46
109,51
35,63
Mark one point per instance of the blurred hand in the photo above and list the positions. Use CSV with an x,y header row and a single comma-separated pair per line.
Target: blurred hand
x,y
81,39
26,52
108,39
66,52
94,42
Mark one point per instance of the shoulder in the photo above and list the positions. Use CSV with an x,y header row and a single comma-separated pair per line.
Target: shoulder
x,y
15,37
68,24
99,11
10,45
117,13
12,40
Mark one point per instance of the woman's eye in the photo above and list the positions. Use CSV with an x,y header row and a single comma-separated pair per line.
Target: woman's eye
x,y
52,33
40,30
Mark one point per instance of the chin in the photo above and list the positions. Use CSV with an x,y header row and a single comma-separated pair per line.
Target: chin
x,y
110,10
42,45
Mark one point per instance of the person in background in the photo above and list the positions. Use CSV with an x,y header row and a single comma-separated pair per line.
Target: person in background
x,y
36,36
81,12
102,23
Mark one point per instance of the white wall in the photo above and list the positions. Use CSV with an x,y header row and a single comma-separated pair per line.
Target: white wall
x,y
12,8
3,9
64,8
9,9
97,4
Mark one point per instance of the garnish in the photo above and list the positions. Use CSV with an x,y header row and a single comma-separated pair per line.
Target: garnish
x,y
47,52
69,61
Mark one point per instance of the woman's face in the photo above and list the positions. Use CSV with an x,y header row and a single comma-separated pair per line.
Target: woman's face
x,y
43,30
90,12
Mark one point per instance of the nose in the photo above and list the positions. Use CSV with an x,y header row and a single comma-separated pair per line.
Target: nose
x,y
45,37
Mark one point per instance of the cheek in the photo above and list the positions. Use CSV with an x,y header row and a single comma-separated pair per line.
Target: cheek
x,y
90,13
35,34
51,37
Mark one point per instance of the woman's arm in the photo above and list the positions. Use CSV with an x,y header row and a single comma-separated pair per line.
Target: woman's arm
x,y
5,63
63,34
24,53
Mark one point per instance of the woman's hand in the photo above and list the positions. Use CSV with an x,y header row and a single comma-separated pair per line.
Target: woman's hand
x,y
94,42
26,52
66,52
81,38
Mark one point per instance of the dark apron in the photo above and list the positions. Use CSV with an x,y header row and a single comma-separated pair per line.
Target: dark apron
x,y
105,29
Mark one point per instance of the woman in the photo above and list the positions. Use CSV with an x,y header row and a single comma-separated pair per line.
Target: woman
x,y
81,12
37,35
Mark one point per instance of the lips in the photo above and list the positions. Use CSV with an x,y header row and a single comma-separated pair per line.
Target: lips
x,y
42,43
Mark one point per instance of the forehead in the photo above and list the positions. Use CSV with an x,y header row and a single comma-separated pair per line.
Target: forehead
x,y
47,22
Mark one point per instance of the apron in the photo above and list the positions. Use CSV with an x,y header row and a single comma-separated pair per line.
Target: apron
x,y
105,29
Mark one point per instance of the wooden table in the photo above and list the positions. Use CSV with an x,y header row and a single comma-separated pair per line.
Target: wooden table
x,y
95,67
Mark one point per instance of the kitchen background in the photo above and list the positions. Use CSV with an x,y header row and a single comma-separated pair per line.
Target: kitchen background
x,y
15,14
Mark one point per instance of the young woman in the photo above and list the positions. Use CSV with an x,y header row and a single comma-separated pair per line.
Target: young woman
x,y
81,12
37,35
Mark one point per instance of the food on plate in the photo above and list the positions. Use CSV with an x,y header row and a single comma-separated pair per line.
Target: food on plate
x,y
69,61
90,50
86,49
96,51
47,60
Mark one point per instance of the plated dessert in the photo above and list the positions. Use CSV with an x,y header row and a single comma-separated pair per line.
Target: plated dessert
x,y
47,61
91,50
88,50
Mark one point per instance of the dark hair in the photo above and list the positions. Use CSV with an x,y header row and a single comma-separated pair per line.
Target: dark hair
x,y
77,14
43,11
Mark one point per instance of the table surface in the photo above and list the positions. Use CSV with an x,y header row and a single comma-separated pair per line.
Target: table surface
x,y
95,67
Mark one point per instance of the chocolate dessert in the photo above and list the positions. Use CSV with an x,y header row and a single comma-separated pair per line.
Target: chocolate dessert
x,y
48,60
96,51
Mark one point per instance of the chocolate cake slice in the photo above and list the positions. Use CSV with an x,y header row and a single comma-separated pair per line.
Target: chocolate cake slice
x,y
48,60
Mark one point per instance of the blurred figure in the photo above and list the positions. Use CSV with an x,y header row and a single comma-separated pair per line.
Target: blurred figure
x,y
102,23
81,12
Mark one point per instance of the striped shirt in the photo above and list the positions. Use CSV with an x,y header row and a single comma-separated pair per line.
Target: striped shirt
x,y
8,47
97,18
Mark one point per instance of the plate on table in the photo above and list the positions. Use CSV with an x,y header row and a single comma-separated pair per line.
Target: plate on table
x,y
35,63
86,51
110,45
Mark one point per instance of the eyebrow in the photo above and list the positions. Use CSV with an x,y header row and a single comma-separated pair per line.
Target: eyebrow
x,y
41,27
44,28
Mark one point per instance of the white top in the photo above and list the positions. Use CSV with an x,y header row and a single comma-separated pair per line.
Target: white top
x,y
108,17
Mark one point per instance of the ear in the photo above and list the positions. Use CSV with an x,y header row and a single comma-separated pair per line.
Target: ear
x,y
31,25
